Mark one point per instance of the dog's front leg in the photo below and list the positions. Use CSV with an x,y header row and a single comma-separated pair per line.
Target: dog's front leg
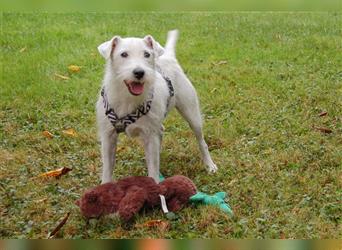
x,y
152,143
108,151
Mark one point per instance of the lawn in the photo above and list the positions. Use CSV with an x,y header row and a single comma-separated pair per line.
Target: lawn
x,y
270,86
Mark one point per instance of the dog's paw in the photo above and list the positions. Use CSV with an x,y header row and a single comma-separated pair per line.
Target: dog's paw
x,y
212,168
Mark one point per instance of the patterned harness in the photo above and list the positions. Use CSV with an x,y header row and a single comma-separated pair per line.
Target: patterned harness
x,y
120,124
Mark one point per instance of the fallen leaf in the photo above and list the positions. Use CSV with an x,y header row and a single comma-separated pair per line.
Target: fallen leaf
x,y
220,63
47,134
5,156
324,113
213,90
59,226
160,224
41,200
56,173
69,132
282,236
324,130
232,182
74,68
62,77
120,149
22,50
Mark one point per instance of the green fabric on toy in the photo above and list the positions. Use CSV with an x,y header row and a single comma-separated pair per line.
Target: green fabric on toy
x,y
206,199
216,200
161,177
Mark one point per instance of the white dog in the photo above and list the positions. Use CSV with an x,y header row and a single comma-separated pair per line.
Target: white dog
x,y
142,83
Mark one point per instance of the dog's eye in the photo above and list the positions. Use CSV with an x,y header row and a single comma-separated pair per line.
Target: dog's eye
x,y
124,54
146,54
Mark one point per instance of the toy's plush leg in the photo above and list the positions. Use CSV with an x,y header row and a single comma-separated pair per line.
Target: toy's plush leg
x,y
132,203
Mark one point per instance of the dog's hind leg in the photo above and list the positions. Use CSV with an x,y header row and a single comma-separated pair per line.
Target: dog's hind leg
x,y
187,105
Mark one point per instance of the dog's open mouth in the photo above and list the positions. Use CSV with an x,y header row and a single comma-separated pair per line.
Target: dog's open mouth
x,y
135,88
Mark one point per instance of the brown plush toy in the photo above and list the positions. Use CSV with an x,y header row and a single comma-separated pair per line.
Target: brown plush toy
x,y
129,195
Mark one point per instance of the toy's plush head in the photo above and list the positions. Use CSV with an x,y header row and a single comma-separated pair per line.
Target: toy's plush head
x,y
100,200
178,191
89,205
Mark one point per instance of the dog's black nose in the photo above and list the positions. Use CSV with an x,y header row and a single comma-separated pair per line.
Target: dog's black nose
x,y
138,73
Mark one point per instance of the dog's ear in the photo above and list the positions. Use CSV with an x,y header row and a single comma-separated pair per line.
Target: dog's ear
x,y
155,46
106,49
158,49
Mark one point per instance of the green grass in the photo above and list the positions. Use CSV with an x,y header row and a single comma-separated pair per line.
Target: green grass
x,y
282,175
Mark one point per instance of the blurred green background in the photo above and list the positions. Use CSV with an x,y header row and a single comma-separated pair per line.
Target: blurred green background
x,y
174,5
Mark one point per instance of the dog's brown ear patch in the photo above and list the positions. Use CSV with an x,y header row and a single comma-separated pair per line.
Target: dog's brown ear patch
x,y
106,49
115,41
149,41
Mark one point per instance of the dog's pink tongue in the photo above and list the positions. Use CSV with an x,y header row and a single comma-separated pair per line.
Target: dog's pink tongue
x,y
137,88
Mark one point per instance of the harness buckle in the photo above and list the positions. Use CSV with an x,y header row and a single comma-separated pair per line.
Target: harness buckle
x,y
120,127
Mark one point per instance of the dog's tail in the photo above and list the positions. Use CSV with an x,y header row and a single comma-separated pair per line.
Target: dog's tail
x,y
170,46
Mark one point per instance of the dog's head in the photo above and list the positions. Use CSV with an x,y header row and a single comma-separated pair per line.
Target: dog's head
x,y
132,61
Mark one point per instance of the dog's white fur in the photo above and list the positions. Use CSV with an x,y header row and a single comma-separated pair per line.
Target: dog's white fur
x,y
149,127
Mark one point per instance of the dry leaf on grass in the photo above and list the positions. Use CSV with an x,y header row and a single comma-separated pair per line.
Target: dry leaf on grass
x,y
213,90
56,173
232,182
120,149
69,132
74,68
282,236
324,113
324,130
47,134
62,77
59,226
159,224
219,63
41,200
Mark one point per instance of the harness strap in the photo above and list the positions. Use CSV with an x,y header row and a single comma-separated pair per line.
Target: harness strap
x,y
120,124
171,93
170,87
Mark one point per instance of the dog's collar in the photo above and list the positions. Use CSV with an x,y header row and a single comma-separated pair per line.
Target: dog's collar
x,y
120,124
